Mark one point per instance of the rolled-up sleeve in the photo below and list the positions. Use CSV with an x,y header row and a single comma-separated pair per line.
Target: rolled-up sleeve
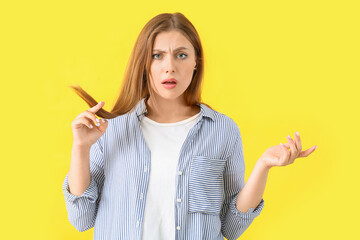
x,y
82,209
233,221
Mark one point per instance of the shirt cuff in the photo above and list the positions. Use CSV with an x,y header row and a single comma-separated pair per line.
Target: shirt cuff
x,y
250,214
90,193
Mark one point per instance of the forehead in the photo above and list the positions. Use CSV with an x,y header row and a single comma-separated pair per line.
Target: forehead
x,y
171,40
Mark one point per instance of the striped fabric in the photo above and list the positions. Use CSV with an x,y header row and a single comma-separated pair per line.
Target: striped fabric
x,y
210,174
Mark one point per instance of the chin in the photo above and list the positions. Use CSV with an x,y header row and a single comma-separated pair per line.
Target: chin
x,y
170,96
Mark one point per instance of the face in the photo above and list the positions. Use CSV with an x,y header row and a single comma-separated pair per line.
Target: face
x,y
173,56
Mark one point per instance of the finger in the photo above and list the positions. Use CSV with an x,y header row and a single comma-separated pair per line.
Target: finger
x,y
92,116
103,124
285,158
100,123
298,142
83,121
87,123
97,107
286,145
307,152
292,147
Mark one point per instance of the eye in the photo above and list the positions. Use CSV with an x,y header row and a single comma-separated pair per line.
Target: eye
x,y
154,55
183,54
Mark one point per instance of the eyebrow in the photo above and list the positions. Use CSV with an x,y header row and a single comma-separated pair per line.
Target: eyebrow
x,y
177,49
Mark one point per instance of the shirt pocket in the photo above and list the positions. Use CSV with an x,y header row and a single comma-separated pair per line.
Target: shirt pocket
x,y
206,184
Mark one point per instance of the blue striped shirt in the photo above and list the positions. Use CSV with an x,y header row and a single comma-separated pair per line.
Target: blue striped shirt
x,y
210,174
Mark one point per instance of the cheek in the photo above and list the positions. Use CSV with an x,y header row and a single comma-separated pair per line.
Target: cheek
x,y
154,71
190,73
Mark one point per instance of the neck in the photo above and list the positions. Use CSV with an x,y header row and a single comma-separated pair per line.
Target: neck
x,y
169,110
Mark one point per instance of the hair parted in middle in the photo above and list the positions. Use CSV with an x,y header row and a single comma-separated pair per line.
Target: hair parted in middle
x,y
136,84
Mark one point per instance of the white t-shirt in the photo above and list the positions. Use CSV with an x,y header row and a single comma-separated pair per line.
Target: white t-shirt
x,y
164,141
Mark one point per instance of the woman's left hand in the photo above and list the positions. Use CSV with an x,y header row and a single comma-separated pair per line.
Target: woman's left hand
x,y
280,156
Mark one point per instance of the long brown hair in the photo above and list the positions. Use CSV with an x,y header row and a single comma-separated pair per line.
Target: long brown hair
x,y
136,84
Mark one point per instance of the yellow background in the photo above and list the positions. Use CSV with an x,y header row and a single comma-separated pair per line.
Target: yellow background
x,y
275,67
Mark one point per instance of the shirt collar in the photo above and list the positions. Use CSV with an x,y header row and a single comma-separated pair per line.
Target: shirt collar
x,y
140,110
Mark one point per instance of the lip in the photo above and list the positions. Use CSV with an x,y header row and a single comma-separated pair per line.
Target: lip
x,y
169,79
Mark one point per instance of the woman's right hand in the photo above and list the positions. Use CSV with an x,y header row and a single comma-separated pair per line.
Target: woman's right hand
x,y
83,134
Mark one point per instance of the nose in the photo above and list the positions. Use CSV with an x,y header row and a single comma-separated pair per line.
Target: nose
x,y
169,64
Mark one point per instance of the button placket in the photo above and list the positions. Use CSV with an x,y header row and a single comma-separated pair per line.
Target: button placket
x,y
191,134
179,199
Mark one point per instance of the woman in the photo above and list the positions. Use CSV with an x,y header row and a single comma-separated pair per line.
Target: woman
x,y
162,164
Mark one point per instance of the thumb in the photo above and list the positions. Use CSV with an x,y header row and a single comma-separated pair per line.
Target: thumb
x,y
97,107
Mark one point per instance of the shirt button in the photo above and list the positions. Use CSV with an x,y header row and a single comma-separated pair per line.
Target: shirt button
x,y
180,172
178,227
179,199
141,196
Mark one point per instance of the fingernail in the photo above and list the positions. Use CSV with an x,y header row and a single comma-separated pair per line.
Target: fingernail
x,y
103,120
316,147
97,124
289,137
91,126
297,133
97,120
281,144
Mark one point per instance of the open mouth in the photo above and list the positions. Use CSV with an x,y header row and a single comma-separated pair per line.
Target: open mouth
x,y
169,82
